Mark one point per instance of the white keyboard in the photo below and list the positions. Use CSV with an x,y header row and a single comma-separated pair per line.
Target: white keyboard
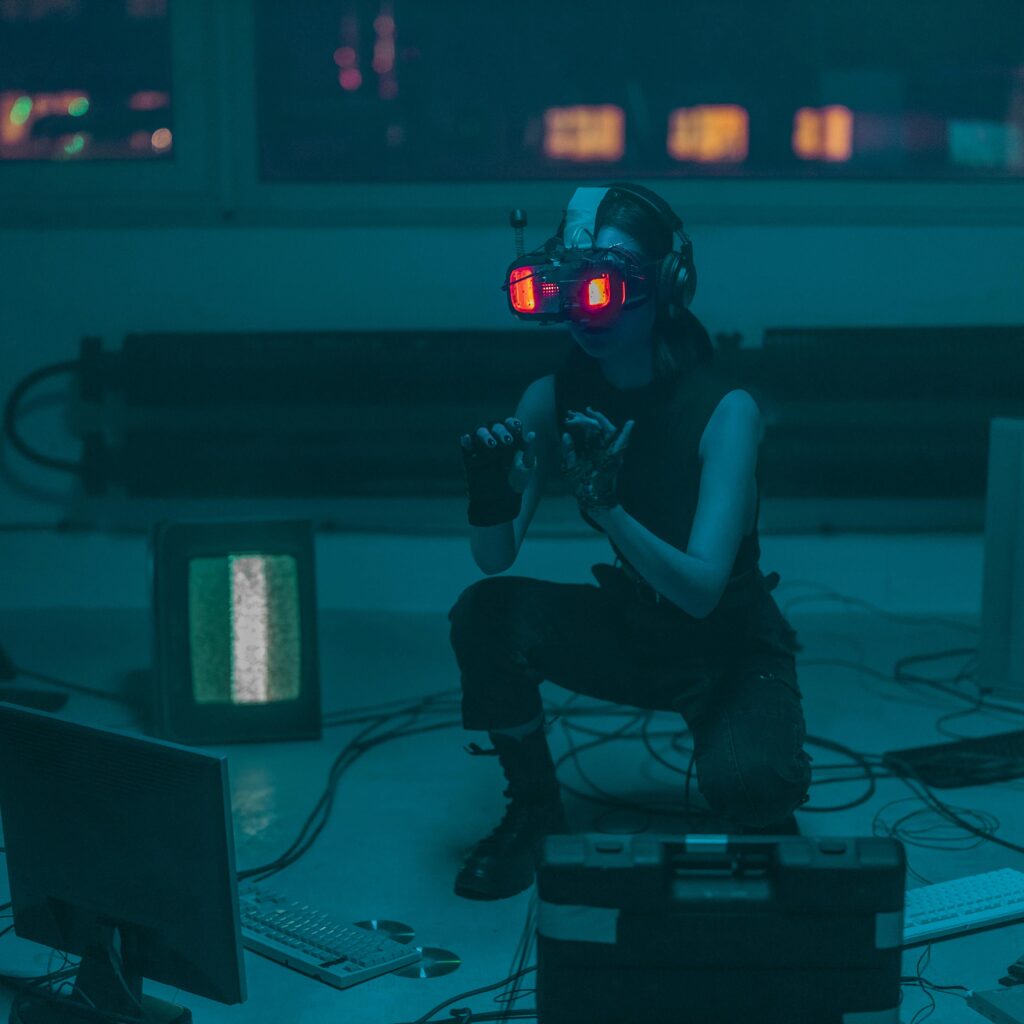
x,y
309,941
962,905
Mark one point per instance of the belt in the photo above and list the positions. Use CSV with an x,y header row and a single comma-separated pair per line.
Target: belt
x,y
646,594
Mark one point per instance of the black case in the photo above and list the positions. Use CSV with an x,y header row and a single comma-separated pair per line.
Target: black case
x,y
709,929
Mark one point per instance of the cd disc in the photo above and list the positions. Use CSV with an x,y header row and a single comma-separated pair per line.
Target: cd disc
x,y
392,929
435,962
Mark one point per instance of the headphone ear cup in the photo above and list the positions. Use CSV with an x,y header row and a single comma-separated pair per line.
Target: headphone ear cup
x,y
663,289
688,277
674,293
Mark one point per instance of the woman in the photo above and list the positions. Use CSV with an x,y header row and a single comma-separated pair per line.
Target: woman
x,y
661,452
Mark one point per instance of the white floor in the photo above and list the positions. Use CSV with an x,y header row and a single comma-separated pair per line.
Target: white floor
x,y
407,811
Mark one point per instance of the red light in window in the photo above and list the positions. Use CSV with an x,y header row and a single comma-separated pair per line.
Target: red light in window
x,y
149,100
350,79
345,56
523,298
599,292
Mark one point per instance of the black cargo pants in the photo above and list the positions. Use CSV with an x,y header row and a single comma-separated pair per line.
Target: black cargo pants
x,y
731,675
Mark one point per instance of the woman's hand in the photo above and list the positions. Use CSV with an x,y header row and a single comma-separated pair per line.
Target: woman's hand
x,y
592,464
499,463
503,445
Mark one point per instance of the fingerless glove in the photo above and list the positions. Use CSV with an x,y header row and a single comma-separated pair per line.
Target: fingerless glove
x,y
491,499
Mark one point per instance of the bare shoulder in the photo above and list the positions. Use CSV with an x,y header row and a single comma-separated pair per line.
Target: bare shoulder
x,y
736,412
537,411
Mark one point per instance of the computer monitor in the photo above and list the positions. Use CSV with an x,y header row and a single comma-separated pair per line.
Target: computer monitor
x,y
123,843
236,655
1001,650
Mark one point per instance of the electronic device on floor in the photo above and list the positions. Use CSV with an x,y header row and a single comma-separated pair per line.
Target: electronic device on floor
x,y
963,905
719,928
972,762
1001,647
236,658
120,850
1001,1005
312,942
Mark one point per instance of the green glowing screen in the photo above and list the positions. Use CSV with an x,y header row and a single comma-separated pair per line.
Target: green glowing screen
x,y
244,629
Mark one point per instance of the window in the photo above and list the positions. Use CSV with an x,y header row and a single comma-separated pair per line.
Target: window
x,y
84,80
417,91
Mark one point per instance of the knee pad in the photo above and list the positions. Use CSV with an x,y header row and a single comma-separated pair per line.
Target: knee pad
x,y
761,797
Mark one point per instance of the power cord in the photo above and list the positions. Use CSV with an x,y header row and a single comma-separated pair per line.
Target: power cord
x,y
928,987
11,415
381,715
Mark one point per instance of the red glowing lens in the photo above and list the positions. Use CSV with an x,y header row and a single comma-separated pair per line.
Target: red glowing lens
x,y
523,297
599,292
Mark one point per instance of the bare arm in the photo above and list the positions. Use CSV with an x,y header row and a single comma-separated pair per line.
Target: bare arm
x,y
695,579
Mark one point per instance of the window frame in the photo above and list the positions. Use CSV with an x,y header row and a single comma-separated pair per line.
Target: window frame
x,y
94,193
214,179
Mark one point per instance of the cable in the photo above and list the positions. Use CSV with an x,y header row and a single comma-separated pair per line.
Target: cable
x,y
520,959
474,992
928,987
909,777
117,964
348,755
827,593
922,962
867,766
861,759
11,416
71,1008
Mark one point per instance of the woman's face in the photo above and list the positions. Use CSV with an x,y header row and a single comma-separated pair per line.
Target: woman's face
x,y
634,325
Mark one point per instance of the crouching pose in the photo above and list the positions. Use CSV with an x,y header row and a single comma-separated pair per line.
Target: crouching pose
x,y
661,454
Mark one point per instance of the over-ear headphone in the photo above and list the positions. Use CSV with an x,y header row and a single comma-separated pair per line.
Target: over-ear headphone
x,y
676,273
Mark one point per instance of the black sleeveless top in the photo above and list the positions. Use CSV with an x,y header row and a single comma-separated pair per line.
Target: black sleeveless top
x,y
660,476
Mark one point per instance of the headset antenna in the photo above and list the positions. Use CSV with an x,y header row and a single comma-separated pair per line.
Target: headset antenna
x,y
517,218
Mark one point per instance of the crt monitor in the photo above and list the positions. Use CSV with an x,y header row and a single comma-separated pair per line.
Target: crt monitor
x,y
235,632
120,850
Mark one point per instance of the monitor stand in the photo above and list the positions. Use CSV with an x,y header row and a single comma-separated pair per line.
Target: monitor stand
x,y
107,990
65,1010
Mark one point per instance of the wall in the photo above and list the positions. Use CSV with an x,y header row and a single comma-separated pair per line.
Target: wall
x,y
58,285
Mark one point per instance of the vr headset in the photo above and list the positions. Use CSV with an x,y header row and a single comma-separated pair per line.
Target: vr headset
x,y
569,278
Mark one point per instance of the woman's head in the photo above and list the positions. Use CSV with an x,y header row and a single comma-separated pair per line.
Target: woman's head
x,y
624,219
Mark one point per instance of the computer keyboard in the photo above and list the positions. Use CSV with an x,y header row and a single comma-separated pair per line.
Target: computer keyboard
x,y
309,941
977,761
962,905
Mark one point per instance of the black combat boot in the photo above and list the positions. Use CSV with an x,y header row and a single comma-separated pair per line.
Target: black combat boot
x,y
505,862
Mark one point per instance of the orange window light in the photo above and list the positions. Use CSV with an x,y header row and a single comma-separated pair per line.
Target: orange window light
x,y
585,133
823,133
711,133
